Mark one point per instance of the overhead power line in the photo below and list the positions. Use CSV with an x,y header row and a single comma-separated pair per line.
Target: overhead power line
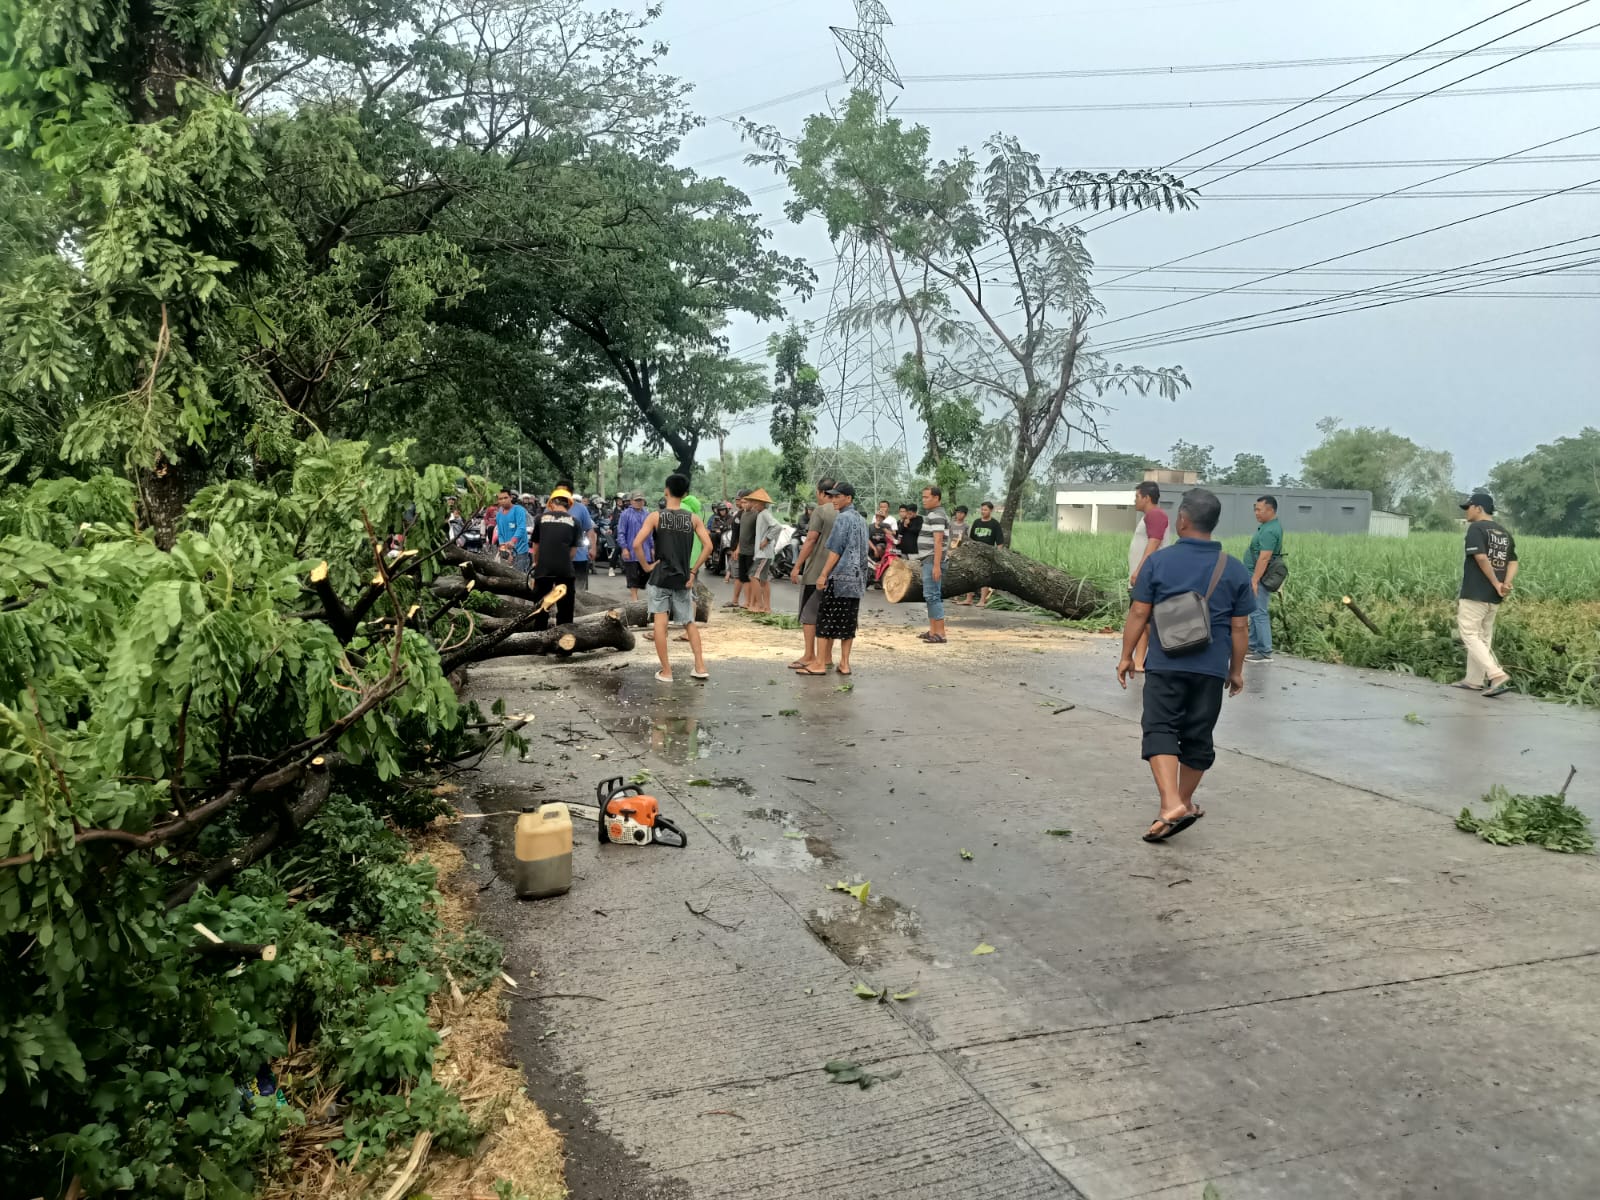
x,y
1275,64
1161,340
1249,101
1495,266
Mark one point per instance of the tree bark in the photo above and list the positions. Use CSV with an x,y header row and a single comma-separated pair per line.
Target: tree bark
x,y
606,631
511,587
972,565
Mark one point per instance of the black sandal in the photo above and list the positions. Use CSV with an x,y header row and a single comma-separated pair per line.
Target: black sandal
x,y
1174,828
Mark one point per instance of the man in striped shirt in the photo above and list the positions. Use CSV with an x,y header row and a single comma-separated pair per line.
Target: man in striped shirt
x,y
930,549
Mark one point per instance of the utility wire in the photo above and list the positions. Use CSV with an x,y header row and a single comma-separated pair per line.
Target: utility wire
x,y
1478,267
1273,64
1249,101
1162,340
1345,208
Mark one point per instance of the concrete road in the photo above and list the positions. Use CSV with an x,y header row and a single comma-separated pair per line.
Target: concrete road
x,y
1322,990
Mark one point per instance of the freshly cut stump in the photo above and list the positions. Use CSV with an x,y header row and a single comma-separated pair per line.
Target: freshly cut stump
x,y
972,565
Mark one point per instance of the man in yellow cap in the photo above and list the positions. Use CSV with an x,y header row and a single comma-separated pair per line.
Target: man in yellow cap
x,y
556,537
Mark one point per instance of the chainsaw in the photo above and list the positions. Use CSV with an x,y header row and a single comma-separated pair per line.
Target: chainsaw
x,y
627,817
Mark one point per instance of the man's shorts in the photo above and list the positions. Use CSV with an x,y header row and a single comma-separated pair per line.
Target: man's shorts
x,y
635,574
677,604
1180,713
810,602
744,567
762,569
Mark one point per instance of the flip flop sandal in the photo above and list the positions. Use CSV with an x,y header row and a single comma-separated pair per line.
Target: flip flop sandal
x,y
702,676
1464,686
847,674
660,678
820,673
1174,828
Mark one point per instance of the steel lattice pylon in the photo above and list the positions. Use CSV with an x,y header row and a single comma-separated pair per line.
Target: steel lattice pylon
x,y
857,364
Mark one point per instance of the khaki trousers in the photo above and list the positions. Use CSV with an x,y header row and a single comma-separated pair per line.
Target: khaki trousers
x,y
1475,621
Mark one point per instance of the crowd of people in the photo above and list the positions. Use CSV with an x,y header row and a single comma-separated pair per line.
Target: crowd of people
x,y
1197,614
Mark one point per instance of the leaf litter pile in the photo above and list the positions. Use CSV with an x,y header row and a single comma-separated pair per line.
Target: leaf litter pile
x,y
1518,820
843,1070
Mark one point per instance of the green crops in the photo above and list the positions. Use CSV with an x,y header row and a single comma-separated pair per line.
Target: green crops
x,y
1548,634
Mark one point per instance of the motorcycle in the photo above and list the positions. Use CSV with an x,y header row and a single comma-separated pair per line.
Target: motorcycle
x,y
786,550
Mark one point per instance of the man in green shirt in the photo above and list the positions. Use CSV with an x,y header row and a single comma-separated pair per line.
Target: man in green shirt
x,y
1268,541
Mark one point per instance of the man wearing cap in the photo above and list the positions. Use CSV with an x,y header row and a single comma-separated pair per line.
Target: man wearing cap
x,y
842,583
511,531
629,523
556,538
808,569
758,597
1491,567
588,543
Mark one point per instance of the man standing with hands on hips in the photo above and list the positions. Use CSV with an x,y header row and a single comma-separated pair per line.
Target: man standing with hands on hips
x,y
1491,567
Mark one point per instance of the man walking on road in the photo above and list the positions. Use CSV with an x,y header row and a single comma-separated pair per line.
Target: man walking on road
x,y
930,548
1183,693
1490,569
511,531
555,543
629,522
808,569
991,533
673,532
1265,545
842,583
1149,535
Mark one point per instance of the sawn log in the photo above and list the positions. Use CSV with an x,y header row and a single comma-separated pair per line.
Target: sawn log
x,y
972,565
602,632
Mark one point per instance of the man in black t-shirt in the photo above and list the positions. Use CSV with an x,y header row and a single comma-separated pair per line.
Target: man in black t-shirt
x,y
988,531
555,542
1486,578
910,530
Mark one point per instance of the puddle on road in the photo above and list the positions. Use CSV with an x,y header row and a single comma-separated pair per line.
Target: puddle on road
x,y
679,740
856,933
788,846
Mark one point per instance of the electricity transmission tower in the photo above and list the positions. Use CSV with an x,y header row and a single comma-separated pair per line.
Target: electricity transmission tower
x,y
857,360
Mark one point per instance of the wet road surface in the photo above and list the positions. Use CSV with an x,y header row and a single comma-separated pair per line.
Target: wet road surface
x,y
1321,990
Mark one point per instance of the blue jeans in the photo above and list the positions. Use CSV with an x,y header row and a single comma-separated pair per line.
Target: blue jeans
x,y
932,591
1261,624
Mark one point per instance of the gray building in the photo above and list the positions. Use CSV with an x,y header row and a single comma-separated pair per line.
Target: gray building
x,y
1108,508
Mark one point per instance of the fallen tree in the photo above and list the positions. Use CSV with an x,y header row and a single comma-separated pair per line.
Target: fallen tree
x,y
972,565
513,596
607,631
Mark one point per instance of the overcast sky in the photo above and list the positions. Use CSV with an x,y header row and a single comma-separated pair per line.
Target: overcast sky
x,y
1485,377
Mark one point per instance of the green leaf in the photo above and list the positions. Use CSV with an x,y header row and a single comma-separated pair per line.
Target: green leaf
x,y
788,712
905,995
966,855
794,835
1058,833
1212,1192
867,993
834,1066
859,890
699,783
983,948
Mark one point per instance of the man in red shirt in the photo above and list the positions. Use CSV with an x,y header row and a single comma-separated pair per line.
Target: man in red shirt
x,y
1148,537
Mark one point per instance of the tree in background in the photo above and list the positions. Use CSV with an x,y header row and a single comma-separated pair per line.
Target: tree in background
x,y
1099,466
1554,491
1248,470
1010,332
1402,476
1187,456
795,400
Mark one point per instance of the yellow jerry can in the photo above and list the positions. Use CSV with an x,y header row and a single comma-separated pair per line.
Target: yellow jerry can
x,y
544,852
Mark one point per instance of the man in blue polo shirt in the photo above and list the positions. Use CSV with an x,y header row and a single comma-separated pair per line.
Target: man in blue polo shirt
x,y
588,547
1183,695
511,531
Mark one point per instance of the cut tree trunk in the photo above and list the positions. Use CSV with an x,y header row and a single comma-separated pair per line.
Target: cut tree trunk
x,y
515,597
972,565
604,632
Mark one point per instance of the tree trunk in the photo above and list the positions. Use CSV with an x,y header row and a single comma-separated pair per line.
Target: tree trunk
x,y
165,492
972,565
606,631
511,586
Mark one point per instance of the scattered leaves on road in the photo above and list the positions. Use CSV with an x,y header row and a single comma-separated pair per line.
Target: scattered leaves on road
x,y
983,948
966,854
788,712
866,993
842,1070
699,783
1413,719
794,835
845,687
642,778
1058,833
905,995
1547,821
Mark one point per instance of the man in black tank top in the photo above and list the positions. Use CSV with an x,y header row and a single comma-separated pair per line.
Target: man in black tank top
x,y
671,577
